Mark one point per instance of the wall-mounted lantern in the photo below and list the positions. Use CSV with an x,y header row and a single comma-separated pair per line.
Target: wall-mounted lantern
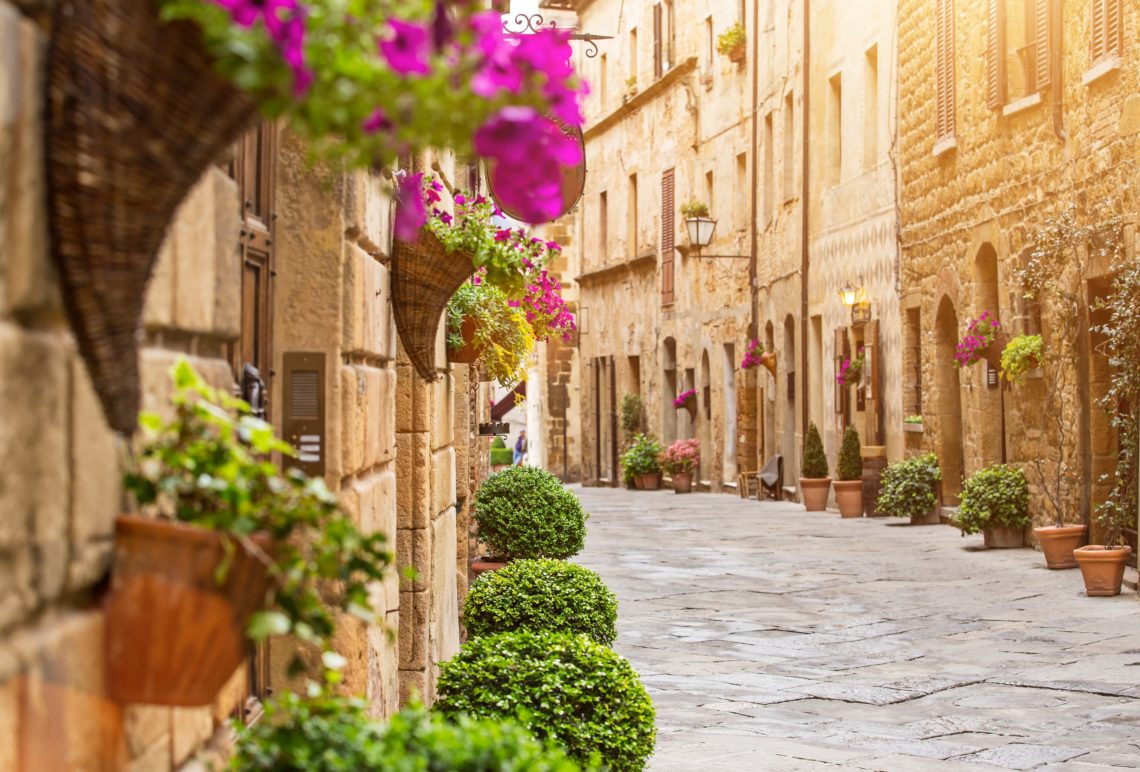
x,y
700,230
855,298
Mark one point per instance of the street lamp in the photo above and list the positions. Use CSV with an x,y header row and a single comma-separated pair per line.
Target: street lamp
x,y
700,230
855,298
848,295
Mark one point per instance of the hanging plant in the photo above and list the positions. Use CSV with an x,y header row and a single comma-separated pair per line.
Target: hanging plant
x,y
1022,354
502,336
980,333
691,209
731,43
685,399
851,370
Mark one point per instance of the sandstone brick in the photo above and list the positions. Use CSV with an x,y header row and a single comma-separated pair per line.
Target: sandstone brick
x,y
413,550
414,686
145,726
385,416
413,480
354,416
189,728
444,598
413,636
413,401
383,673
442,480
373,416
155,366
442,412
159,308
156,758
193,228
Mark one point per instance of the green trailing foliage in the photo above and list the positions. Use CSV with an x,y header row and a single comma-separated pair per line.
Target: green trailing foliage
x,y
324,732
541,595
995,496
526,512
850,464
643,456
1020,355
908,486
631,412
815,460
731,39
565,688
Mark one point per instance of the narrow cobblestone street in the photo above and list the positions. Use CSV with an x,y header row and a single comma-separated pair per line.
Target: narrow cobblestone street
x,y
772,638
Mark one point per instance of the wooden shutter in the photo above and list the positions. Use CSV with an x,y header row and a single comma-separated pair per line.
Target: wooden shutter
x,y
944,69
1105,29
995,54
668,207
1042,44
658,60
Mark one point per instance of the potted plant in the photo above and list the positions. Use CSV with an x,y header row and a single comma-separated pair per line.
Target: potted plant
x,y
851,370
500,455
756,355
680,460
553,595
501,336
1054,274
1022,354
910,489
224,536
995,501
631,87
526,512
690,210
912,423
849,468
732,43
687,400
563,687
642,462
815,485
978,342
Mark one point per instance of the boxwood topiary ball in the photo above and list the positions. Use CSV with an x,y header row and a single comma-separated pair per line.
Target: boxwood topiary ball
x,y
542,595
564,688
526,512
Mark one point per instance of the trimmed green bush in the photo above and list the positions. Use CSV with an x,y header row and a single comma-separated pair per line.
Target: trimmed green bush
x,y
501,455
526,512
330,733
541,595
815,460
850,464
995,496
631,410
908,486
565,688
643,456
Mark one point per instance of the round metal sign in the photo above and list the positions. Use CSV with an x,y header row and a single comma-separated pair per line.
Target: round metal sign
x,y
573,180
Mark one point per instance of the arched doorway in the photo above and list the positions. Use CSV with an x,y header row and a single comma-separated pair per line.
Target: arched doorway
x,y
669,390
987,400
788,426
949,402
704,418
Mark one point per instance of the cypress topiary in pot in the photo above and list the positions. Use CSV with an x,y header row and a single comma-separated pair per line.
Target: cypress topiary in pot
x,y
541,594
526,512
995,501
849,486
564,688
816,481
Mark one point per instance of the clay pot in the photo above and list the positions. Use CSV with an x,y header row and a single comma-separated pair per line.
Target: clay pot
x,y
468,354
683,482
769,361
483,564
813,491
933,517
1102,568
736,54
649,482
1004,537
638,482
174,633
849,497
1058,544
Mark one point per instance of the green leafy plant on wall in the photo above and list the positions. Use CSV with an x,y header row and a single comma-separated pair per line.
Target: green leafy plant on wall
x,y
850,464
631,413
731,41
694,208
913,419
1021,355
995,496
815,459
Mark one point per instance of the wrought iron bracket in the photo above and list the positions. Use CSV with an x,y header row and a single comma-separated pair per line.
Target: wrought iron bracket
x,y
533,22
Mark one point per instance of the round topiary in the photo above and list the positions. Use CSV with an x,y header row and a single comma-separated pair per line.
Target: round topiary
x,y
815,460
526,512
850,465
565,688
995,496
541,595
907,488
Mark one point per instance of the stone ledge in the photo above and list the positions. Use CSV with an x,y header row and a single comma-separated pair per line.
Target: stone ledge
x,y
1100,69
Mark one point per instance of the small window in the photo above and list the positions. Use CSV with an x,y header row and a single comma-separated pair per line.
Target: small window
x,y
1105,30
871,108
789,149
834,129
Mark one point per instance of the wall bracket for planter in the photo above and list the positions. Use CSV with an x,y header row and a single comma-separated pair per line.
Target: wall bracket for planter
x,y
494,428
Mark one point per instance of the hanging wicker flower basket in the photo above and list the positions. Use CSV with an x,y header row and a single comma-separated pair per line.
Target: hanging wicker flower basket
x,y
424,277
135,115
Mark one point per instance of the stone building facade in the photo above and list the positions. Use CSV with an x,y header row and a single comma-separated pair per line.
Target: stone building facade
x,y
270,258
1023,111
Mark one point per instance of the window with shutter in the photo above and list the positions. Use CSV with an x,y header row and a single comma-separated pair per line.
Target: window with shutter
x,y
1105,30
1042,25
944,69
658,60
668,207
995,54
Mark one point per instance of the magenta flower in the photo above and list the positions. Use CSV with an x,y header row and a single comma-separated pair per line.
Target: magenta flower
x,y
377,121
410,212
407,49
442,28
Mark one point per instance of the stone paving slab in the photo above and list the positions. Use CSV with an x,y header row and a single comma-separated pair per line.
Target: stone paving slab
x,y
773,638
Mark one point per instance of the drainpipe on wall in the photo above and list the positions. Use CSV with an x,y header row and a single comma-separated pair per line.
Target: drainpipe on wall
x,y
804,359
753,317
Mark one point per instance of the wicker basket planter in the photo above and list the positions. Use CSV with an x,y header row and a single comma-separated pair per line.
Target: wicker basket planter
x,y
424,277
135,114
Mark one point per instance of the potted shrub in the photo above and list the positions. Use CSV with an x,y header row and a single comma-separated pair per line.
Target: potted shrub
x,y
815,485
910,489
226,534
680,460
563,687
544,594
756,355
526,512
1022,354
995,501
979,341
642,461
732,43
328,732
849,469
501,456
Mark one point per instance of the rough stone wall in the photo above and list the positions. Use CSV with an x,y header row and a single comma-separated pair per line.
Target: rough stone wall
x,y
978,203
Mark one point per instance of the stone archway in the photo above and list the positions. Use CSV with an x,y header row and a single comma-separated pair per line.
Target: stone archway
x,y
949,402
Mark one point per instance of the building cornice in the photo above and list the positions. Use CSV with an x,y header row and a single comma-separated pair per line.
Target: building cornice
x,y
641,98
608,272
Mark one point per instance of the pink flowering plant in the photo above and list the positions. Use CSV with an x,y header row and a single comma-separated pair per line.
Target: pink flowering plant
x,y
682,456
851,370
980,333
366,81
684,398
545,309
754,355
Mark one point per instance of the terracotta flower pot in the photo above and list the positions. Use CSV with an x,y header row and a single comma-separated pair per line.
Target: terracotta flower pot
x,y
1102,568
649,482
813,491
849,497
483,564
1004,537
737,53
468,353
639,482
1058,544
683,482
174,633
769,361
